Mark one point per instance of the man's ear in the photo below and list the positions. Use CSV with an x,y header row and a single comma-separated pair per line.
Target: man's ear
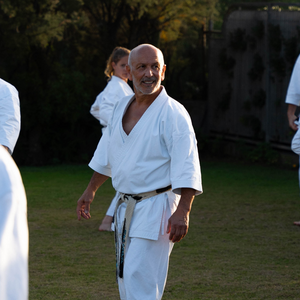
x,y
163,72
129,72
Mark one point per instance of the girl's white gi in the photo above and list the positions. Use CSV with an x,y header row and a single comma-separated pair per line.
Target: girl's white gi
x,y
160,150
102,109
115,90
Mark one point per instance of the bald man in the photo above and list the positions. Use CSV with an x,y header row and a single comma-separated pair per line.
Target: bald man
x,y
150,151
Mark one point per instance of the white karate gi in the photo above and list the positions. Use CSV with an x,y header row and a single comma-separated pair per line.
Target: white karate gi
x,y
296,142
160,150
293,92
13,232
102,109
115,90
9,115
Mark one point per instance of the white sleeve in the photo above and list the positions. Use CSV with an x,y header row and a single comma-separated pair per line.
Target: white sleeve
x,y
99,162
296,142
10,117
185,165
102,108
94,111
293,92
106,107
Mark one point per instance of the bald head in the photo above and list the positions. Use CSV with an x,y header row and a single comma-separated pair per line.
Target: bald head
x,y
143,48
146,69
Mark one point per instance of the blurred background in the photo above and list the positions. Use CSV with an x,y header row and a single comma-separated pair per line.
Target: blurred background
x,y
228,63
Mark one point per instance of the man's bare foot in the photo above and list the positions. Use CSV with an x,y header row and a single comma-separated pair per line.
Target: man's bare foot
x,y
297,223
106,223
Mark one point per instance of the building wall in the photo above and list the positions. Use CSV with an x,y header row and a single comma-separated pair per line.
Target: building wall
x,y
249,67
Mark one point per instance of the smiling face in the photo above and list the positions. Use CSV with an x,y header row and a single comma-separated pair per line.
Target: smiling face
x,y
120,68
146,70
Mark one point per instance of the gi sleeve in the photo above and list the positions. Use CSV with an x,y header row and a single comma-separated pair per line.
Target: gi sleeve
x,y
100,162
106,107
182,146
95,108
293,92
10,116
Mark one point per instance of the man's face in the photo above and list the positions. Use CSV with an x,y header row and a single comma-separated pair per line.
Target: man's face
x,y
147,70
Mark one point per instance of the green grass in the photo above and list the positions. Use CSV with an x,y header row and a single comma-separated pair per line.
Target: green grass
x,y
241,242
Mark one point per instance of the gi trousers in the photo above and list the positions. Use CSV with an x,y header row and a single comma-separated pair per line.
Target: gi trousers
x,y
146,265
145,269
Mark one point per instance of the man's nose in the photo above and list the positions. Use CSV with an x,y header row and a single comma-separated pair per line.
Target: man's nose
x,y
149,72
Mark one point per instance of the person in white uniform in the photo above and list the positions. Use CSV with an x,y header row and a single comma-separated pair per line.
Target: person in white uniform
x,y
13,231
115,90
293,101
10,117
149,149
293,95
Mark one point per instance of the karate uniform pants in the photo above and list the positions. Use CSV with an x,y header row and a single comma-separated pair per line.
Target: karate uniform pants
x,y
145,269
146,266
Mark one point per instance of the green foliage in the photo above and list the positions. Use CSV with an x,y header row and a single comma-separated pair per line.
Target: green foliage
x,y
55,51
42,38
182,41
263,153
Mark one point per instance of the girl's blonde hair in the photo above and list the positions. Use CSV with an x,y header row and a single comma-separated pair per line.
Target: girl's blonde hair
x,y
116,55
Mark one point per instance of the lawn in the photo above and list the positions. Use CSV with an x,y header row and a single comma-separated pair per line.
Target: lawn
x,y
241,242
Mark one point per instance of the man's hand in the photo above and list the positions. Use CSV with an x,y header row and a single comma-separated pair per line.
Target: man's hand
x,y
292,123
178,223
84,202
83,205
291,116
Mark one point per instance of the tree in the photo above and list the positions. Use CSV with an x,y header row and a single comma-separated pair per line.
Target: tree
x,y
37,55
55,51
